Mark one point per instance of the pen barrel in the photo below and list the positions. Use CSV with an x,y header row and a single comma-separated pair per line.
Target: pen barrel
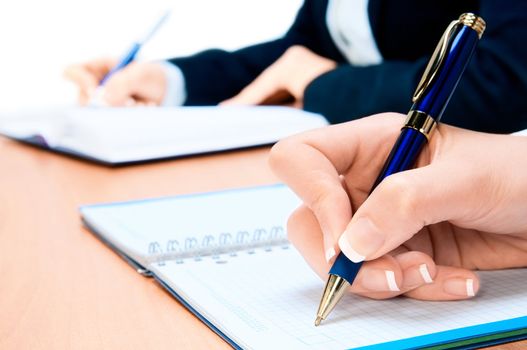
x,y
403,155
125,60
461,48
345,268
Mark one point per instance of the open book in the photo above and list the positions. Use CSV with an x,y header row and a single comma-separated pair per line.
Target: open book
x,y
225,256
128,135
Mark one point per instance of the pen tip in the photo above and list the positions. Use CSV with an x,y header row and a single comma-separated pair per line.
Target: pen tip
x,y
317,321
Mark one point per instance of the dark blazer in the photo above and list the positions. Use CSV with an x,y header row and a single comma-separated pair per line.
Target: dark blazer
x,y
492,96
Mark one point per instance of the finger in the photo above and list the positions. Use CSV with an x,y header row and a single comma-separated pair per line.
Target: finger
x,y
326,197
145,83
310,163
88,75
101,66
303,231
450,283
418,269
377,279
390,276
405,202
382,278
85,80
266,86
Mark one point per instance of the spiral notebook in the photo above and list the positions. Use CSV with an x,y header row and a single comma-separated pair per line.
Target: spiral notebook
x,y
116,136
225,257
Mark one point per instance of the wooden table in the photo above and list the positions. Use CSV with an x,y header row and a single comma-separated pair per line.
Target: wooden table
x,y
60,287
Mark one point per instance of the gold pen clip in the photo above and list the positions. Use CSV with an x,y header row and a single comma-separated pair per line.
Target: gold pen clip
x,y
436,61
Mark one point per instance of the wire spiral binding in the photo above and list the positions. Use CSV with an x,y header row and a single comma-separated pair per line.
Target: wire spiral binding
x,y
216,245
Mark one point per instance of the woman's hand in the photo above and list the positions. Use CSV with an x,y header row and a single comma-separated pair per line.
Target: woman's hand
x,y
139,83
423,231
285,80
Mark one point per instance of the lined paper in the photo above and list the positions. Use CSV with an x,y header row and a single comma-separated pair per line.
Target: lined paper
x,y
268,299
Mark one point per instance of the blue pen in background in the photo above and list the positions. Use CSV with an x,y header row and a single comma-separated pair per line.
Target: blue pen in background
x,y
128,57
430,99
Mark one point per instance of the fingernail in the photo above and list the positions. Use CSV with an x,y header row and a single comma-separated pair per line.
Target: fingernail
x,y
380,281
359,240
460,287
330,253
415,276
390,278
423,270
470,287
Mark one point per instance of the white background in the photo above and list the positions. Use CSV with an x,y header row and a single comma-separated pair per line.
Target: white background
x,y
38,39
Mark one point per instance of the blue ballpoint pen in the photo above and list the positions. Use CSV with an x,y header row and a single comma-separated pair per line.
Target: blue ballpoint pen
x,y
433,92
130,54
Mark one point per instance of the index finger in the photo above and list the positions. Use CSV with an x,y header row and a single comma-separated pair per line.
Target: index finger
x,y
311,164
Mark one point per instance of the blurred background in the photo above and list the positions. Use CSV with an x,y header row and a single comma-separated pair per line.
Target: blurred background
x,y
38,39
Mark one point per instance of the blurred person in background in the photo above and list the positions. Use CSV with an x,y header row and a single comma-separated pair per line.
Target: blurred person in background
x,y
343,59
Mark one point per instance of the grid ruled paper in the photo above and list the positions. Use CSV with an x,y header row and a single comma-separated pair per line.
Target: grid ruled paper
x,y
268,299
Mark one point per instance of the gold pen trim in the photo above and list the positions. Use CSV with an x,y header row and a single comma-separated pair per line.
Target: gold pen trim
x,y
421,122
435,62
440,53
475,22
333,292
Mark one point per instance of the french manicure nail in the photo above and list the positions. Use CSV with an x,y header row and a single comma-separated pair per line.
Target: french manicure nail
x,y
423,270
377,280
460,287
330,253
470,287
390,278
348,250
361,239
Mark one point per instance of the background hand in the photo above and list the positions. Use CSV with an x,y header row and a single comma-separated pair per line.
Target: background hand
x,y
422,231
139,83
285,80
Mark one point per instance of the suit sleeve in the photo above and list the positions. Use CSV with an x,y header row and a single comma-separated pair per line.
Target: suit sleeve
x,y
491,96
214,75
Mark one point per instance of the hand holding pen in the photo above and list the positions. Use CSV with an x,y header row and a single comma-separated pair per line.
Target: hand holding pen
x,y
440,79
423,231
432,95
121,82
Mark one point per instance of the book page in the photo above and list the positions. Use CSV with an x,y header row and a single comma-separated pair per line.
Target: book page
x,y
44,127
118,135
198,224
267,299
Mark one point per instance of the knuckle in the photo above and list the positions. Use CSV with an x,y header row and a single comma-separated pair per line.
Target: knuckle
x,y
325,194
281,154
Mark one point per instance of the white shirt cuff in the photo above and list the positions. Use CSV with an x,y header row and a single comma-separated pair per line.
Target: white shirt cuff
x,y
176,92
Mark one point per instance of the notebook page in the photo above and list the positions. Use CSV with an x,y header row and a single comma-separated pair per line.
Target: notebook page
x,y
268,299
131,134
150,230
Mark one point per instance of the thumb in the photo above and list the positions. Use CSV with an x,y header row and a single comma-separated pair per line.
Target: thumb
x,y
404,203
